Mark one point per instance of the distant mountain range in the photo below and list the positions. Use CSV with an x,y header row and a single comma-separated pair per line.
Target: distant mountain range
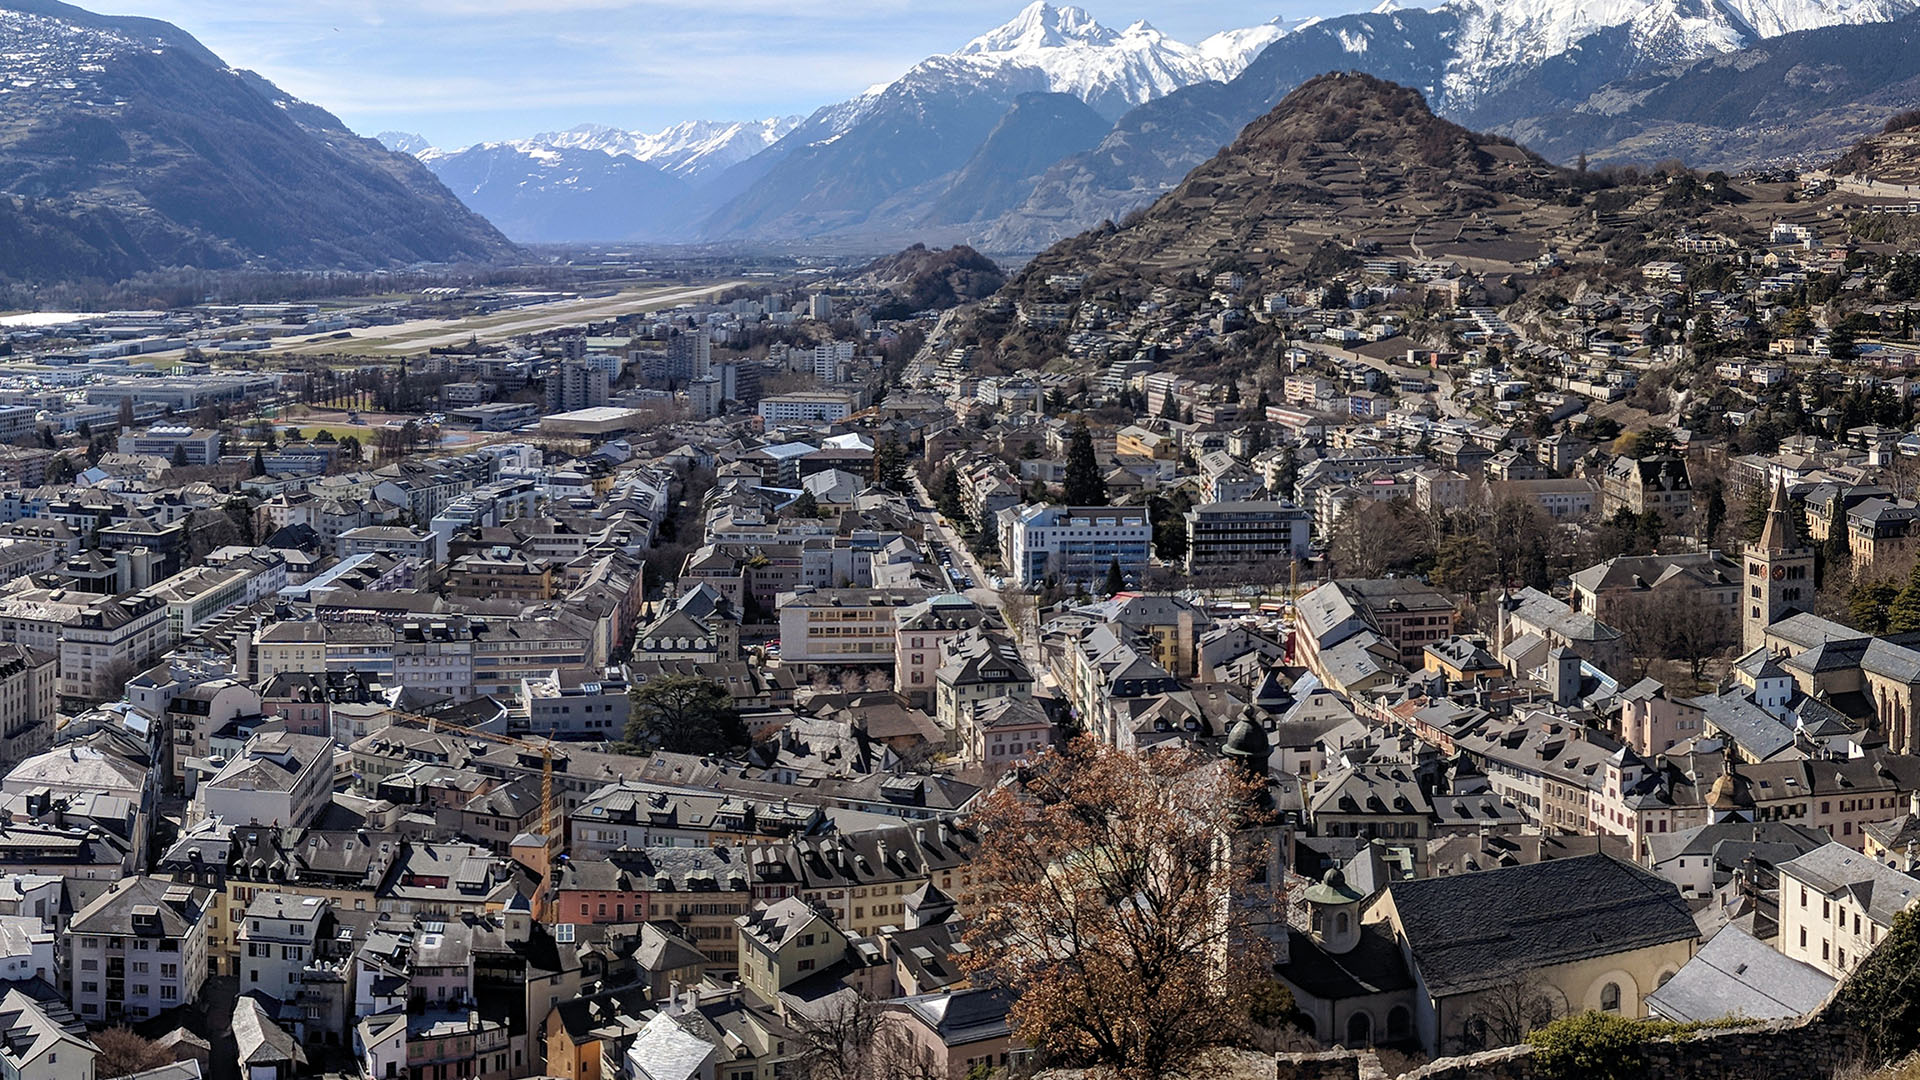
x,y
982,144
130,147
1803,97
873,157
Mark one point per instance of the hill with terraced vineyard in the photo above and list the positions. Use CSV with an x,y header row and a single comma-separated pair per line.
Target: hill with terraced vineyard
x,y
1346,162
1891,157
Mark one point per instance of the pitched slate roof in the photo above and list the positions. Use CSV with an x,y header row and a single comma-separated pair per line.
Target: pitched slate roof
x,y
1374,966
1835,868
1477,930
260,1040
959,1017
1736,975
1757,731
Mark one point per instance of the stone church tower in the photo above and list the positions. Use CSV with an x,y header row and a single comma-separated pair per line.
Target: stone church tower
x,y
1779,574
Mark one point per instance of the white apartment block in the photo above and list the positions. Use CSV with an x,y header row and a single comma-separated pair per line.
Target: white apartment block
x,y
199,447
277,939
138,949
806,407
278,779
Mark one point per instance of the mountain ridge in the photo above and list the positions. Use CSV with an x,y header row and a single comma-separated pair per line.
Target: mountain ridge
x,y
134,148
1806,97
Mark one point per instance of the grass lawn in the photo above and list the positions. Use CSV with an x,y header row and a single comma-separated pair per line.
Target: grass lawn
x,y
338,431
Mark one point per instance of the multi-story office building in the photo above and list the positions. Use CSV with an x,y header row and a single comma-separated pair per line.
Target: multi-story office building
x,y
1226,535
1074,543
198,447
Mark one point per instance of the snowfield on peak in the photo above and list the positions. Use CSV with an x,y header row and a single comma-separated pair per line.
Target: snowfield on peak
x,y
1111,70
688,150
1504,34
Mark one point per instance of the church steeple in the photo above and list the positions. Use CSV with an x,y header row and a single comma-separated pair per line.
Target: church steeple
x,y
1779,572
1779,534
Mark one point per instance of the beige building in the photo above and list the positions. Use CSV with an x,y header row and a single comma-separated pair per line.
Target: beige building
x,y
785,942
1647,485
977,668
1002,734
919,632
842,626
27,682
1836,904
958,1033
1565,936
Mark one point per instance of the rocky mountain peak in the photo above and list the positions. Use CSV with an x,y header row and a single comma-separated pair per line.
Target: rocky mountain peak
x,y
1041,25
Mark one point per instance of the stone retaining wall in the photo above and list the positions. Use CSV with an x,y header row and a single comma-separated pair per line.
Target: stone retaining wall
x,y
1813,1049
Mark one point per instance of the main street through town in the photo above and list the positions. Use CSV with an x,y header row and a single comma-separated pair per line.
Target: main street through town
x,y
949,551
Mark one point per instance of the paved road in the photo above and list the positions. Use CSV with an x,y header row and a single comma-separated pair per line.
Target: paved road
x,y
942,532
1443,397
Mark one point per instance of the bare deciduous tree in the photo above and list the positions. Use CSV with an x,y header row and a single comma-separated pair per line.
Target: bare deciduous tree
x,y
1675,623
1502,1014
123,1053
1375,536
849,1037
1019,608
1118,911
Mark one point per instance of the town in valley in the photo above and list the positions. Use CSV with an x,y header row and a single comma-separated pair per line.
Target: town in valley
x,y
1389,604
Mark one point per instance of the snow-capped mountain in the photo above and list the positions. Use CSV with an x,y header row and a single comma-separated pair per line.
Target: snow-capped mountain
x,y
557,194
924,147
1112,70
689,150
1496,37
870,160
596,182
1487,64
403,142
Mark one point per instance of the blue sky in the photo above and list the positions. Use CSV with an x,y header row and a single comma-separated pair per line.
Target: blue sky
x,y
462,71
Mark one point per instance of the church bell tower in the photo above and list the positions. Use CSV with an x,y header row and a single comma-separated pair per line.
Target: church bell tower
x,y
1779,573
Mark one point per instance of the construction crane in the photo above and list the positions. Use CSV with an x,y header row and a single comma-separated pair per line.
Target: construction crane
x,y
549,812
